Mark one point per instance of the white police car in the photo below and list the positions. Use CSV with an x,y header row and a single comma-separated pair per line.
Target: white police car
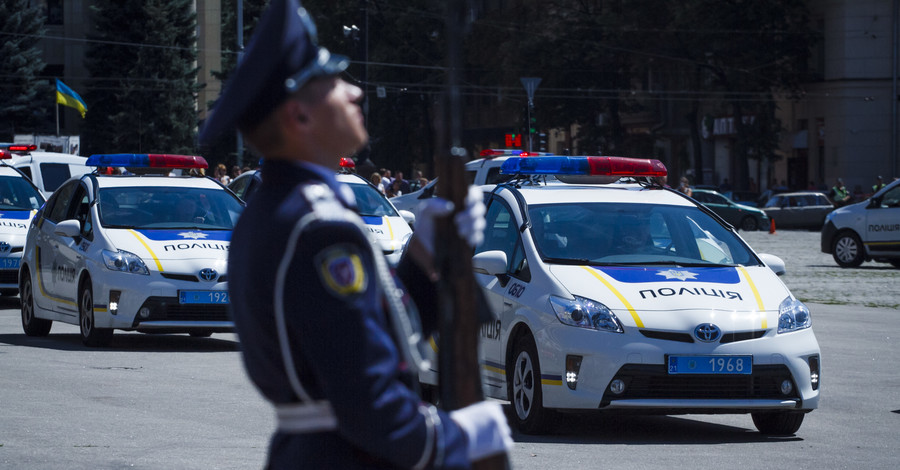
x,y
48,170
628,297
130,252
389,227
869,230
19,200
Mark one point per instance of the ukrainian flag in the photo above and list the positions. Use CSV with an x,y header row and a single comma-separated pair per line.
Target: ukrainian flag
x,y
67,97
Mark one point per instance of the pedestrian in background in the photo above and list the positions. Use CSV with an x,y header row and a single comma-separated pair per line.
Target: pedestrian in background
x,y
221,174
375,179
839,193
328,334
685,187
879,183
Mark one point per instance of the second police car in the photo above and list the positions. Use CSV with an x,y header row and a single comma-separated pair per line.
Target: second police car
x,y
869,230
628,297
19,201
389,227
130,252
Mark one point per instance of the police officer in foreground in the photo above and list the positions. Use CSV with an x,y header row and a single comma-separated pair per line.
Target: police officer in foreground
x,y
328,332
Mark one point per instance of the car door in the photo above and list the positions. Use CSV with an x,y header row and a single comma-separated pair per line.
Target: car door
x,y
70,251
502,292
883,222
50,271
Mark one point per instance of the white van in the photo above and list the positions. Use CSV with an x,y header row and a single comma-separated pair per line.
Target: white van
x,y
48,170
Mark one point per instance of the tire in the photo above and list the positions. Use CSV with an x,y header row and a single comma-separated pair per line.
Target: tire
x,y
847,250
784,423
524,388
32,325
749,224
90,335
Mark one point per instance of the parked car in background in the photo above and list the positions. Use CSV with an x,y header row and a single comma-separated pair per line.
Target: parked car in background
x,y
867,231
804,209
740,216
747,198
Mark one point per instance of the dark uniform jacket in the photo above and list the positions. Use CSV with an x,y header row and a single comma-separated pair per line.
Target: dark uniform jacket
x,y
309,300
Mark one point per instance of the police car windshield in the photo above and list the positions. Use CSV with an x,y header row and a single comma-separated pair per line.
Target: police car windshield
x,y
370,202
633,234
17,194
168,208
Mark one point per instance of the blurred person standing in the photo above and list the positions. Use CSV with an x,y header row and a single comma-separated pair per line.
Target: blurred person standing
x,y
328,334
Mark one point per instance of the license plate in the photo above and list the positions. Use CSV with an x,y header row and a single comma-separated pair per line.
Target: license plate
x,y
9,263
203,297
710,364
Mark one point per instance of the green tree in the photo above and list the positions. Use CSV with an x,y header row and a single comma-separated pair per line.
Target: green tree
x,y
143,85
27,98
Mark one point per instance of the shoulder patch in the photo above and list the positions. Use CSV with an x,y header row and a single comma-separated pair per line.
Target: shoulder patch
x,y
325,205
341,270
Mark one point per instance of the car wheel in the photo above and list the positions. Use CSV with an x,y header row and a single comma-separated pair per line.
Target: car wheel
x,y
749,224
32,325
90,334
524,384
785,423
848,251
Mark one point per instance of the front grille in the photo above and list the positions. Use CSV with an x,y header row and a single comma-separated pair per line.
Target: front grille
x,y
180,277
654,381
741,336
668,336
168,309
687,338
9,276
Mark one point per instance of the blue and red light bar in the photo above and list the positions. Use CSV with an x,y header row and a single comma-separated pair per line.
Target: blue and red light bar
x,y
147,160
347,163
16,148
489,153
587,166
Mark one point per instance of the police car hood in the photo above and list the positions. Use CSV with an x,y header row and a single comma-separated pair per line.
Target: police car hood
x,y
676,298
172,244
389,232
14,226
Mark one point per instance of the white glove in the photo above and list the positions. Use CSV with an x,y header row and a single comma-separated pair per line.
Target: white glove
x,y
486,429
470,222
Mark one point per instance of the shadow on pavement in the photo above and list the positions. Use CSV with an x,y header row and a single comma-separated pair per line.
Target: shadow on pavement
x,y
638,429
125,342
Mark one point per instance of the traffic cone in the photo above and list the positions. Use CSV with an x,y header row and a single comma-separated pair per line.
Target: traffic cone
x,y
772,226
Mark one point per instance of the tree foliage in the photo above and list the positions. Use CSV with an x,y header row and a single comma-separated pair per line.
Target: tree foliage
x,y
142,98
27,99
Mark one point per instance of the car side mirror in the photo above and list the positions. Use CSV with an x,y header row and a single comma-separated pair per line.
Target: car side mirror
x,y
68,228
492,262
408,216
774,263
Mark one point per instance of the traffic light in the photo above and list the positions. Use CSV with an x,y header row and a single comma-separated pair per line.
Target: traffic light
x,y
532,126
542,142
513,140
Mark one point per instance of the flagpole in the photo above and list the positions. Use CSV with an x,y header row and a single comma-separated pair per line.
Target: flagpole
x,y
57,119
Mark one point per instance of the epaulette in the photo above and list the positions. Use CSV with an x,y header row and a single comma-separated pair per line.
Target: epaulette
x,y
323,202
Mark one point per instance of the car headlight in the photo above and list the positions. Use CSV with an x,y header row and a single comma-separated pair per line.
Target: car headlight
x,y
125,262
585,313
793,315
